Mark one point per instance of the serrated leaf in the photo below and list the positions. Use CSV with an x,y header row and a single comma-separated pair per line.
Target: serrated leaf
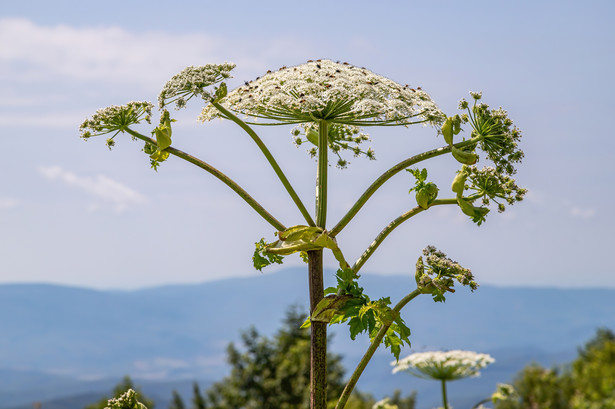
x,y
356,327
261,259
328,307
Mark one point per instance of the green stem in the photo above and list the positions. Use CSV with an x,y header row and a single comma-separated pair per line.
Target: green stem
x,y
392,226
389,174
373,346
221,176
444,398
318,342
276,168
481,402
323,166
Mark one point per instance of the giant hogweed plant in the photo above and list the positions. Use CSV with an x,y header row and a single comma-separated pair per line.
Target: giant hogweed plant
x,y
329,106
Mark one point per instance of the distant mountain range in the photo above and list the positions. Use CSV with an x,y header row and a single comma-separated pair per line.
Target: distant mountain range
x,y
63,344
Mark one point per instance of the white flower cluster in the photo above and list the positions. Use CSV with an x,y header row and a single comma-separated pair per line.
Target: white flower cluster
x,y
192,81
337,92
116,118
384,404
441,365
128,400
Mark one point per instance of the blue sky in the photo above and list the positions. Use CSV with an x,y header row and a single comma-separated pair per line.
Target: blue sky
x,y
72,212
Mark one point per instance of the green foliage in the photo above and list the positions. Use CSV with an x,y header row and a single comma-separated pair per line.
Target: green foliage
x,y
296,239
593,373
406,402
366,316
198,400
177,402
586,383
120,389
360,400
538,387
272,373
261,258
426,192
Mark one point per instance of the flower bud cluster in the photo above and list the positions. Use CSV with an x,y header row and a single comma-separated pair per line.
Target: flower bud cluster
x,y
443,365
341,138
191,82
436,274
499,137
493,185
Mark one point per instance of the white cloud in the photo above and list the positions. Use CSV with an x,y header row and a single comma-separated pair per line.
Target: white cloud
x,y
584,213
112,54
8,203
47,70
109,54
49,120
100,187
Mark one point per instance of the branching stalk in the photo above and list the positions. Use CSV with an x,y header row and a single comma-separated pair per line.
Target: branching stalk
x,y
221,176
276,168
390,227
373,346
389,174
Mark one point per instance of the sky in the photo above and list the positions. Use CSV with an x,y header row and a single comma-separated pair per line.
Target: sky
x,y
74,213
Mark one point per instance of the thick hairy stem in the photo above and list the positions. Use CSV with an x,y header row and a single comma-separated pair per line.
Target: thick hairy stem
x,y
318,346
221,176
389,174
373,346
390,227
276,168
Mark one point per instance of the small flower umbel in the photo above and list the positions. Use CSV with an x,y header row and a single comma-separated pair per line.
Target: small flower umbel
x,y
128,400
116,119
498,136
384,404
192,82
341,137
491,185
436,274
443,366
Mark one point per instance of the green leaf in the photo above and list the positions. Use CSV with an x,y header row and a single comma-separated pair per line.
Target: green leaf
x,y
221,92
261,258
163,136
307,323
356,327
330,290
328,307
